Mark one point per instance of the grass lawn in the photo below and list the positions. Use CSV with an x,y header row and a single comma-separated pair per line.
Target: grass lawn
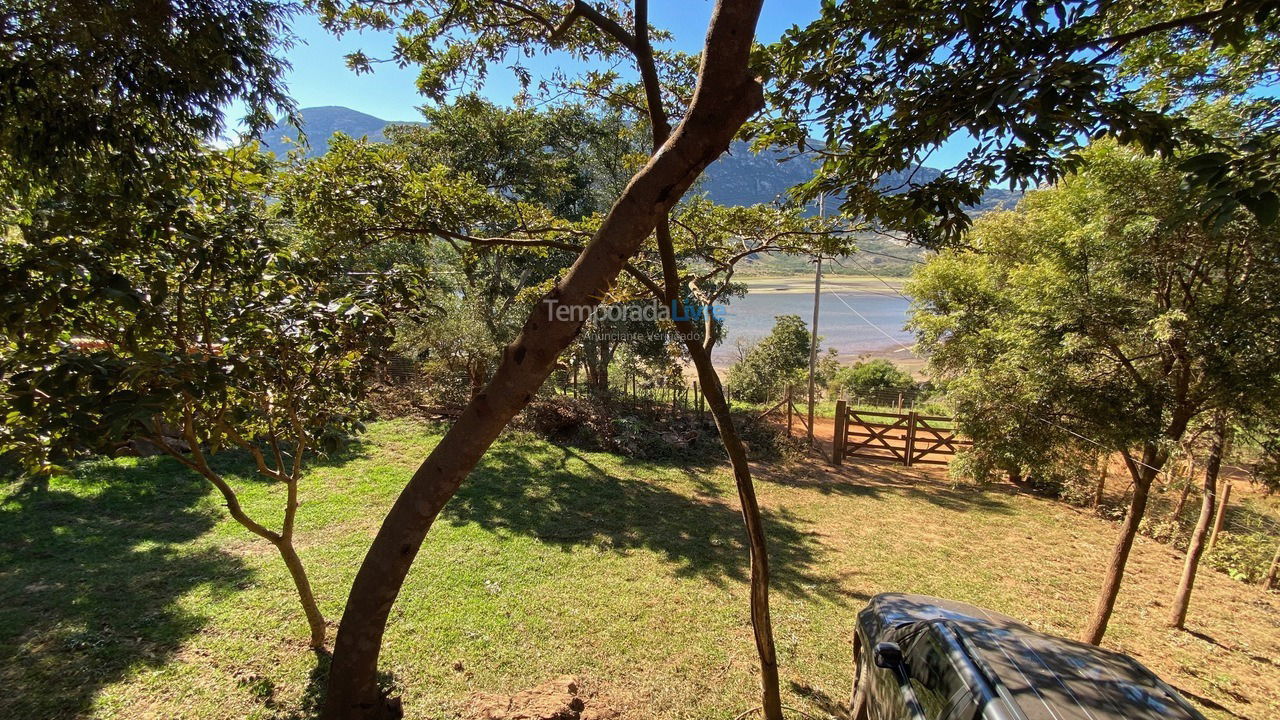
x,y
126,591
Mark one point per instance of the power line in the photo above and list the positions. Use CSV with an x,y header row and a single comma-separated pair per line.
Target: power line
x,y
884,282
876,327
917,261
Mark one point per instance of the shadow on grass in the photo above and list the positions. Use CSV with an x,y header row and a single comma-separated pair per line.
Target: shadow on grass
x,y
1208,703
822,702
861,477
561,497
91,580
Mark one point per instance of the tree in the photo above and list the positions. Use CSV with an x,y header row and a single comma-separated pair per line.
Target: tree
x,y
774,362
113,90
105,110
886,84
214,336
461,38
1101,313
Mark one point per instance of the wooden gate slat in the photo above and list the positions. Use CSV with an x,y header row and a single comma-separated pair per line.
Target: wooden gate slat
x,y
907,438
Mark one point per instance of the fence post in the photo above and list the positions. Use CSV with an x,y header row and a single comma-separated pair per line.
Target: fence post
x,y
837,442
911,436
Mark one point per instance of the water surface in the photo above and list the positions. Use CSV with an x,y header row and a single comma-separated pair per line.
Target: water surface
x,y
879,329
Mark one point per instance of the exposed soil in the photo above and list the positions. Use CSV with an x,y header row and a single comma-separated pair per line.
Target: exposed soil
x,y
555,699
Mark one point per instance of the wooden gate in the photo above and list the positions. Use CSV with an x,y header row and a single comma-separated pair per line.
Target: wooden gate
x,y
906,438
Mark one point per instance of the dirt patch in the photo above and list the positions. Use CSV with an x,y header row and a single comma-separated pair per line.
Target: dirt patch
x,y
556,699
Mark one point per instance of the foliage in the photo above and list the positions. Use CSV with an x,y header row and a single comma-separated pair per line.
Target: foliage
x,y
563,419
104,112
889,83
773,363
565,158
97,95
1243,556
489,202
208,336
1100,309
868,376
225,330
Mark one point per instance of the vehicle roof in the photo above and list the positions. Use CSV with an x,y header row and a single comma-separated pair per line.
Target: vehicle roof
x,y
1044,677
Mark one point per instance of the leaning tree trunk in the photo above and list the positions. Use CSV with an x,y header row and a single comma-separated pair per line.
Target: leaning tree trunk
x,y
1195,548
761,622
668,292
1143,475
1220,517
725,97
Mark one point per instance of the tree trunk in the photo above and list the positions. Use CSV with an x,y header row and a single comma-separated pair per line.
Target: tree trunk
x,y
475,373
309,607
1274,573
1176,515
1221,516
1101,488
1195,547
725,97
761,623
1143,475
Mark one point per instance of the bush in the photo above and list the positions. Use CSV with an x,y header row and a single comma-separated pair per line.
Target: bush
x,y
563,419
1243,556
868,377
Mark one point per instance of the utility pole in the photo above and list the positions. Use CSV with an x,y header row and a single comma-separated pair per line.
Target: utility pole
x,y
813,338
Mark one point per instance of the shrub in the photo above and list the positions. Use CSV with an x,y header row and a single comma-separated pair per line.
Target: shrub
x,y
867,377
1243,556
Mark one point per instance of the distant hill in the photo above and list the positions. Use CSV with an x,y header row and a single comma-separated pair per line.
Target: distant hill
x,y
738,177
320,123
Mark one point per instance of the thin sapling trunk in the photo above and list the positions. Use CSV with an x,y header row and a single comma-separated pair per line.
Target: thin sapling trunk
x,y
1196,546
1144,473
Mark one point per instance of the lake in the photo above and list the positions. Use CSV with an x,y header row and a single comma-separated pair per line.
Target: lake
x,y
751,317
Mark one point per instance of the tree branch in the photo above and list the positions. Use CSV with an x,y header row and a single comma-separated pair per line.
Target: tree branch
x,y
604,22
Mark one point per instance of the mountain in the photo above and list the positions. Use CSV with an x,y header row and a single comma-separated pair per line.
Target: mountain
x,y
739,177
320,123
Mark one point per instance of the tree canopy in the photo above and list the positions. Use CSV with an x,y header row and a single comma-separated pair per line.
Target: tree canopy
x,y
1032,83
1102,315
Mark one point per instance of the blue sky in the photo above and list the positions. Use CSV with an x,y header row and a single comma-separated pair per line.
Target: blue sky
x,y
320,76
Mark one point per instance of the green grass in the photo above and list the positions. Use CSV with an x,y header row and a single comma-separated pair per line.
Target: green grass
x,y
125,592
